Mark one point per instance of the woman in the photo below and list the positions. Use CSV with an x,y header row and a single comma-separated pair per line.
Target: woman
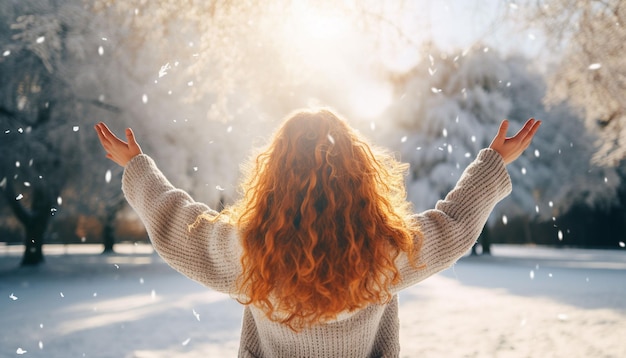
x,y
322,240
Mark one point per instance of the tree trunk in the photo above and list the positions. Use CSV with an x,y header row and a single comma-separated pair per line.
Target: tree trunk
x,y
33,242
485,241
108,238
35,221
108,232
474,252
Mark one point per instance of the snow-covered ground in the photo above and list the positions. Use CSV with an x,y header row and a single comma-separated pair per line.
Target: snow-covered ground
x,y
521,302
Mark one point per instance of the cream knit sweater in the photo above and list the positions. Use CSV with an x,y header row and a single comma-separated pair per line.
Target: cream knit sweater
x,y
209,254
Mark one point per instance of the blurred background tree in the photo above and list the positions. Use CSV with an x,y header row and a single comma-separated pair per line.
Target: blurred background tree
x,y
451,105
589,71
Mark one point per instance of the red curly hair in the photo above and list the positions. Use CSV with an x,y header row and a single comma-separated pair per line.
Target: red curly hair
x,y
323,217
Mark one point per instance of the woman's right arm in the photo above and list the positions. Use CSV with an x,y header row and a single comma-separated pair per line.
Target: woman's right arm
x,y
187,234
207,252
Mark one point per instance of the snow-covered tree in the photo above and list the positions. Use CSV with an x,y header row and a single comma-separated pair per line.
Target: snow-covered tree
x,y
589,71
49,98
450,106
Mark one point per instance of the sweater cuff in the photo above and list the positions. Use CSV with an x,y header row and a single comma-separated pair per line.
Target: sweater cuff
x,y
496,169
135,169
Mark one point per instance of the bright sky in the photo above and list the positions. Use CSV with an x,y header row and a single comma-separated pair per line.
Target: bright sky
x,y
326,41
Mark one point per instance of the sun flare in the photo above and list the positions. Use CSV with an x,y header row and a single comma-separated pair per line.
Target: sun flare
x,y
326,46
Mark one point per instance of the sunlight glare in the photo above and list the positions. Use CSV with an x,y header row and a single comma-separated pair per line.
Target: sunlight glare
x,y
314,37
310,23
370,99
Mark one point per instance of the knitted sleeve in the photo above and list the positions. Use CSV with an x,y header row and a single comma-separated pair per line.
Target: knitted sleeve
x,y
207,252
453,226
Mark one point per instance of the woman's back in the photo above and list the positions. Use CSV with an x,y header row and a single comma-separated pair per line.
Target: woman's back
x,y
322,220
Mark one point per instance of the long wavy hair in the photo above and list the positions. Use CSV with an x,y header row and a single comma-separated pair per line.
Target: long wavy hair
x,y
323,217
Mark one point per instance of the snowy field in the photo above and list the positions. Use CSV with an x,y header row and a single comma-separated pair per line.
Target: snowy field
x,y
521,302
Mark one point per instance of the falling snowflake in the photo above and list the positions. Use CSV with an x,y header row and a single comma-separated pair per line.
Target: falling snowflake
x,y
21,351
595,66
107,176
186,341
100,50
163,70
537,153
560,235
505,220
622,244
532,274
144,98
403,139
13,297
196,314
6,53
19,197
75,128
41,39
